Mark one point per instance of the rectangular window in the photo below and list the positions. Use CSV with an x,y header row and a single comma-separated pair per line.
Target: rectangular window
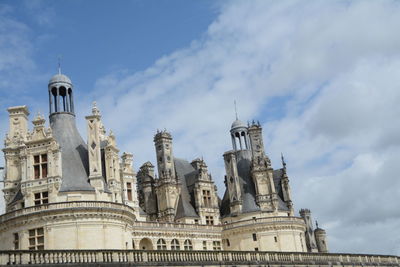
x,y
204,245
256,249
40,166
254,237
276,239
207,198
16,241
36,239
216,245
228,243
129,190
209,220
41,198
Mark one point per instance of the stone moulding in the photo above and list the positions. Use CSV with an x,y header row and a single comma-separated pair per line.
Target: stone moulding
x,y
184,258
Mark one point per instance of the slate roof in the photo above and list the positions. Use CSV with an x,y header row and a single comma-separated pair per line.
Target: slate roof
x,y
184,171
243,159
74,154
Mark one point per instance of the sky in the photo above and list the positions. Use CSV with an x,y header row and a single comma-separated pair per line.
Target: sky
x,y
322,77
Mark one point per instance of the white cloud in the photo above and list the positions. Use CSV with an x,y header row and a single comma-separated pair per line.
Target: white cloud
x,y
330,71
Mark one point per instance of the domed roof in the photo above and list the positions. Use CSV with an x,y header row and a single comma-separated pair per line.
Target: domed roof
x,y
60,78
238,124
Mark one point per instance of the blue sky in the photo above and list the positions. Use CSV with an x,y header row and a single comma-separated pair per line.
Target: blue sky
x,y
322,77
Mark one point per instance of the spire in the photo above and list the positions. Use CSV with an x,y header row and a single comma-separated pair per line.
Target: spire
x,y
283,161
59,64
236,114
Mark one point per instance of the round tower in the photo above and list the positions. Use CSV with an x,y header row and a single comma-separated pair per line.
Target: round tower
x,y
320,238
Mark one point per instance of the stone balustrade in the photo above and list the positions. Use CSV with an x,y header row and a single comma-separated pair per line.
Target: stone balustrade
x,y
182,258
177,226
278,219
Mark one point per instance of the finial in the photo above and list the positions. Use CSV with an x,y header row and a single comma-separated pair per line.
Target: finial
x,y
59,64
316,223
283,161
95,110
236,114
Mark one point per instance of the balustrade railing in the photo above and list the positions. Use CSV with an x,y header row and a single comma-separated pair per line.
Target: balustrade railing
x,y
180,258
278,219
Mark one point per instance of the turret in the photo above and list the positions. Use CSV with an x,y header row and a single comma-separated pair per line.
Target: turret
x,y
165,162
310,238
74,155
167,188
262,171
239,136
256,140
321,239
60,94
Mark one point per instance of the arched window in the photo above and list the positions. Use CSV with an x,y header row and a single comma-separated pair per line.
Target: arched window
x,y
175,244
63,93
161,244
188,245
55,98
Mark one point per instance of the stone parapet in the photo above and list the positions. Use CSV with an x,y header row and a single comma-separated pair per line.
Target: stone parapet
x,y
265,220
190,258
60,206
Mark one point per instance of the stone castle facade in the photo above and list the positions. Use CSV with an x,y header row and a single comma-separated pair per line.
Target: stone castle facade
x,y
64,193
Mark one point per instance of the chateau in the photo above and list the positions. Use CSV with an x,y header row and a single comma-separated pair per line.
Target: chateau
x,y
64,193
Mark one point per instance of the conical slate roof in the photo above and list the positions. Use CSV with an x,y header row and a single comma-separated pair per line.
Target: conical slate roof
x,y
74,154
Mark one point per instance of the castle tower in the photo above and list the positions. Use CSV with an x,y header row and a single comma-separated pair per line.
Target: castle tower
x,y
167,185
205,194
262,171
320,238
74,156
146,188
310,237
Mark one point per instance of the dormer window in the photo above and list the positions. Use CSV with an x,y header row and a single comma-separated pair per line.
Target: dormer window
x,y
40,166
207,198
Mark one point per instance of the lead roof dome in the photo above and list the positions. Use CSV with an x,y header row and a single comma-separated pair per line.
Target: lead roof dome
x,y
238,123
60,78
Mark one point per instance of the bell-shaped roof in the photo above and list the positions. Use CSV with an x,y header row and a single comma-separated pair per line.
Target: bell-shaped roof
x,y
60,78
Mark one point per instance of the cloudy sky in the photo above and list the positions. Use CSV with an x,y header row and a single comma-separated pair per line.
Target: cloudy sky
x,y
323,78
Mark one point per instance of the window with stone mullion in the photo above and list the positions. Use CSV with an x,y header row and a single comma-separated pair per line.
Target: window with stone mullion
x,y
40,166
